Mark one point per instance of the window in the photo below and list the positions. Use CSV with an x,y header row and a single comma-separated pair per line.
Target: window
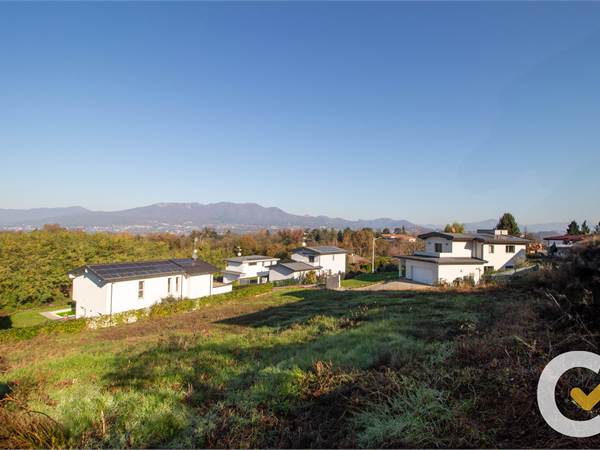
x,y
491,248
176,284
438,247
311,259
169,285
140,289
252,264
510,249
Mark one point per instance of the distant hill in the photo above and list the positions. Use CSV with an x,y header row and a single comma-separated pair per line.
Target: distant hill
x,y
184,216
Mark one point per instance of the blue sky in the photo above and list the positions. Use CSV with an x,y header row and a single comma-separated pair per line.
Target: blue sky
x,y
429,112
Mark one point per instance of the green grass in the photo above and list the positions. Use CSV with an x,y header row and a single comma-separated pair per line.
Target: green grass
x,y
29,317
297,367
70,312
366,279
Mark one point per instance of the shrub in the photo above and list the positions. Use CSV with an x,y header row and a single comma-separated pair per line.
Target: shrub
x,y
55,327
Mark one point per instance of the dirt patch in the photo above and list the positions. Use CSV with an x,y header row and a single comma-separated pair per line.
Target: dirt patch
x,y
396,286
202,320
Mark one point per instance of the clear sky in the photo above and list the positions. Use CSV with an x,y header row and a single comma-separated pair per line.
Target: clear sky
x,y
428,112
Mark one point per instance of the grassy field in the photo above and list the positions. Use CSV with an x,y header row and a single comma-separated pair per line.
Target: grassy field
x,y
28,317
366,279
293,368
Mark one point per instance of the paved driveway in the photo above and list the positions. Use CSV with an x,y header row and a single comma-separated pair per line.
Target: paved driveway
x,y
400,285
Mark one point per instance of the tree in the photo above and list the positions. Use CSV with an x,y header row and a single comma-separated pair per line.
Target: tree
x,y
573,228
386,231
597,228
403,230
397,230
454,227
584,228
508,222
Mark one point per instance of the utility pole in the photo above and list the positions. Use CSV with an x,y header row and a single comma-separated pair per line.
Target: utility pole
x,y
373,256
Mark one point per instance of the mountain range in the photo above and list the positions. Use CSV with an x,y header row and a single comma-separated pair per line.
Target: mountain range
x,y
183,217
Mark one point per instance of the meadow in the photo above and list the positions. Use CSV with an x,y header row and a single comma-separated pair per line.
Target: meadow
x,y
294,367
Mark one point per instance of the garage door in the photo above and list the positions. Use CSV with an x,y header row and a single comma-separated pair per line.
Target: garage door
x,y
423,275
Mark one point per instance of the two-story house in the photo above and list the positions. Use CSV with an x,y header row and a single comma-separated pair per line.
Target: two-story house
x,y
250,269
327,260
451,256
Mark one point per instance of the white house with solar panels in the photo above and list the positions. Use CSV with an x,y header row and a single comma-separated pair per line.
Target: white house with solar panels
x,y
105,289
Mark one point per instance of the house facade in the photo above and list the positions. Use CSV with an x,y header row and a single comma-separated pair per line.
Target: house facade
x,y
326,260
101,289
251,269
451,256
291,270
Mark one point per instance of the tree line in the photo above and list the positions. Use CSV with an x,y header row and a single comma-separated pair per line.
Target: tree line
x,y
34,265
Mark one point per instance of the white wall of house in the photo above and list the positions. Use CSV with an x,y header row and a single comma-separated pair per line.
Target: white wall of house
x,y
334,263
422,272
247,270
93,298
450,272
275,275
196,286
500,259
90,296
125,295
449,248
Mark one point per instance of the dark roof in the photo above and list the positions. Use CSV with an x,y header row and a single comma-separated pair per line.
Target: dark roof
x,y
298,266
488,238
450,236
251,258
444,260
567,237
146,269
321,250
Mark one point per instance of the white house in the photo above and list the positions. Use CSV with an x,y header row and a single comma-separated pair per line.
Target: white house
x,y
325,259
291,270
251,269
100,289
561,245
451,256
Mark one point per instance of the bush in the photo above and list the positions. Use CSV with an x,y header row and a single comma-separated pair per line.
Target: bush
x,y
54,327
574,285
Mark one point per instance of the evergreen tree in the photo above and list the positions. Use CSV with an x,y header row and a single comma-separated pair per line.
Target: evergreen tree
x,y
584,228
597,228
403,231
397,230
573,228
386,231
508,222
